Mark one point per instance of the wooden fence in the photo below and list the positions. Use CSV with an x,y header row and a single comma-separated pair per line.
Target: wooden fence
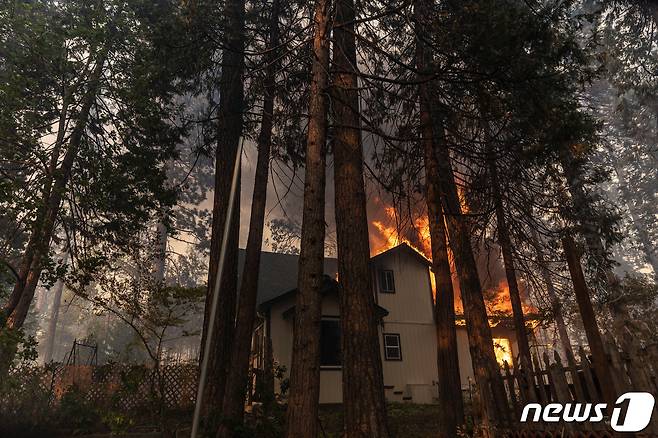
x,y
548,379
122,387
553,379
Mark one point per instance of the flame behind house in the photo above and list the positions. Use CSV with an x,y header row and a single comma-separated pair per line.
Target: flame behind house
x,y
389,229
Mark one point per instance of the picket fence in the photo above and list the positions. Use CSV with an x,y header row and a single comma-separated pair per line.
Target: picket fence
x,y
548,379
552,379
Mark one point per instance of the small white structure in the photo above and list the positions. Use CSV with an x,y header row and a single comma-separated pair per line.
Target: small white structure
x,y
404,298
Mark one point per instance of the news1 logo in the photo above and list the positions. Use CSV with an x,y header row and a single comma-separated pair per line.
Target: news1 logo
x,y
638,412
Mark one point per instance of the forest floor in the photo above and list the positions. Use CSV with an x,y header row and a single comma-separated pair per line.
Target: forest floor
x,y
405,420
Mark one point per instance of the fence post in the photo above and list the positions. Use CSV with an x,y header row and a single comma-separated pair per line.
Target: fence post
x,y
640,378
544,396
575,377
525,380
559,385
619,375
560,380
509,377
589,378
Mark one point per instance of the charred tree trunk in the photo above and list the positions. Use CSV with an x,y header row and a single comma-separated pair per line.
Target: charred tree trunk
x,y
363,381
493,397
589,320
450,391
237,383
229,128
510,273
302,414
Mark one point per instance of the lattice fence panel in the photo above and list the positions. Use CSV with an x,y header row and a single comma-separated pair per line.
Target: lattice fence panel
x,y
118,386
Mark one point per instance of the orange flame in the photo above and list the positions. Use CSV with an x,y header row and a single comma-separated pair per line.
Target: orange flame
x,y
389,236
386,235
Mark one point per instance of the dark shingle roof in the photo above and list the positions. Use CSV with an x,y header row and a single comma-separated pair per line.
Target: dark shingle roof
x,y
278,273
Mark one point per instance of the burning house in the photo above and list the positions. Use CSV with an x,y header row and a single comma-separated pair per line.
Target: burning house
x,y
403,292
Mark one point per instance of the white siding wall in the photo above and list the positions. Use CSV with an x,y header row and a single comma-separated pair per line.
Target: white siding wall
x,y
282,329
410,316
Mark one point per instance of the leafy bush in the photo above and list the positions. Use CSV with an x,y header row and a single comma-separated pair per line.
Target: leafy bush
x,y
76,412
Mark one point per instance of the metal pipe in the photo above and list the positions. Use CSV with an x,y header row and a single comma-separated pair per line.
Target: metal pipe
x,y
215,297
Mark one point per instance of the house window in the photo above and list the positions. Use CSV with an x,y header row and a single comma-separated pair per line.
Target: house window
x,y
503,350
330,343
387,282
392,349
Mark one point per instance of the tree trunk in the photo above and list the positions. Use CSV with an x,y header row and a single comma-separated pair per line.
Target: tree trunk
x,y
237,383
363,381
493,397
267,396
229,128
645,240
28,256
552,296
450,391
510,273
588,228
589,321
39,243
302,414
160,254
54,317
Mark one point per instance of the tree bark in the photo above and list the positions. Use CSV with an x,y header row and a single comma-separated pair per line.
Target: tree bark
x,y
229,128
493,397
450,392
302,413
510,273
589,321
237,383
363,381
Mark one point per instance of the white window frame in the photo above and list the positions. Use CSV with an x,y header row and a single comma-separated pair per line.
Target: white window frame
x,y
398,346
383,281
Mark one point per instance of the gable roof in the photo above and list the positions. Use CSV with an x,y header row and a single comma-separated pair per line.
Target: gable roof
x,y
278,273
406,249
